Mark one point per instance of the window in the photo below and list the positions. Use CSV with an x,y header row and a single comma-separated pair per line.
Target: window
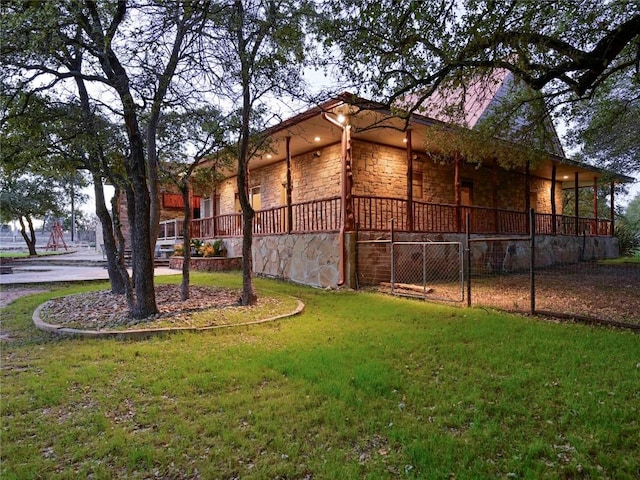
x,y
206,208
255,199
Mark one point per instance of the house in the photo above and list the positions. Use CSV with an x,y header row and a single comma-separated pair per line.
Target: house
x,y
349,172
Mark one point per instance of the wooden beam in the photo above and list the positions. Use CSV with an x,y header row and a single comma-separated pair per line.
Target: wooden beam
x,y
289,186
527,190
595,205
576,191
409,182
494,181
554,226
612,213
456,186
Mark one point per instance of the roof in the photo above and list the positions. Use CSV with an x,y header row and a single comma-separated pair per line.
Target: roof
x,y
308,131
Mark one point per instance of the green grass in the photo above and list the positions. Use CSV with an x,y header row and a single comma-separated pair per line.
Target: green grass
x,y
622,260
359,386
25,254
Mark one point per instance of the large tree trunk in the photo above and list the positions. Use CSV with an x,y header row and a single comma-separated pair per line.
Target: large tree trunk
x,y
95,164
138,203
115,277
249,296
141,255
30,239
120,248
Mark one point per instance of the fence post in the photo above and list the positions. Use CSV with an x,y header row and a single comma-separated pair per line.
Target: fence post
x,y
468,247
532,266
393,263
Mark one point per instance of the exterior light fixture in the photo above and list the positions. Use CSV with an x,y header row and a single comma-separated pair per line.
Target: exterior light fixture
x,y
565,177
316,139
341,118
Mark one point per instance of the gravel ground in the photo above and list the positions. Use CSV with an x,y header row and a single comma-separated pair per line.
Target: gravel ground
x,y
103,310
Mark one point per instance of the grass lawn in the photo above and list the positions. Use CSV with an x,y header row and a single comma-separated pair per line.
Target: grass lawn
x,y
622,260
25,254
360,385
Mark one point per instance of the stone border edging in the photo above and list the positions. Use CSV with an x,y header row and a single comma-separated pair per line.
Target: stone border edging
x,y
144,332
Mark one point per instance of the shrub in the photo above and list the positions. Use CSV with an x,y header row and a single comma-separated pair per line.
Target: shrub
x,y
627,237
215,249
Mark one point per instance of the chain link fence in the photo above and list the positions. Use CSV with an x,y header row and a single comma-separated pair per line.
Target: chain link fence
x,y
512,274
429,270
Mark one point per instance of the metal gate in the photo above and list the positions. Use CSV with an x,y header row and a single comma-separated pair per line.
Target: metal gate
x,y
428,270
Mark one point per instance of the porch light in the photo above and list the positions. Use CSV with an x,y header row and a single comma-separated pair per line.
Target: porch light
x,y
565,177
404,140
341,118
269,156
316,139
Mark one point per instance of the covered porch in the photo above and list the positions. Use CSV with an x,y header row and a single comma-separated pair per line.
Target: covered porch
x,y
377,214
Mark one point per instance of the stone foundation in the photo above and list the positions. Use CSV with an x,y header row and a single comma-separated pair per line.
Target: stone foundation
x,y
208,264
310,259
314,258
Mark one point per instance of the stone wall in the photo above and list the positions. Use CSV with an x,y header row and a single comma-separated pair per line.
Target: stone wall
x,y
314,258
208,264
310,259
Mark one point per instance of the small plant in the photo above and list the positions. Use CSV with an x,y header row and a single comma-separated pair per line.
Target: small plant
x,y
178,249
196,246
215,249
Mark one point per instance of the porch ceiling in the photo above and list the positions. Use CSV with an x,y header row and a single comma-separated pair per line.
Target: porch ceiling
x,y
310,132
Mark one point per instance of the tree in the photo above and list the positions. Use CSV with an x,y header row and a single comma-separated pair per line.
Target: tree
x,y
605,126
59,141
563,47
191,152
632,214
134,53
256,52
26,198
628,228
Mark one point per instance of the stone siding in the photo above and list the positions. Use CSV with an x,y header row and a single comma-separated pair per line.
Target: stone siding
x,y
310,259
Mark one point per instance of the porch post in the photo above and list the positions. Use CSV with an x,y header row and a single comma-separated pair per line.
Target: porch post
x,y
613,211
595,205
409,182
554,227
347,179
214,209
527,192
576,203
289,187
494,180
456,186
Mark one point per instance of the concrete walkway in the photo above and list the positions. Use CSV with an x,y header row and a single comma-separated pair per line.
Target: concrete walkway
x,y
69,267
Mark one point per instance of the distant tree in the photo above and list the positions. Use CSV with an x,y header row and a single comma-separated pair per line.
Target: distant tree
x,y
136,56
27,198
632,214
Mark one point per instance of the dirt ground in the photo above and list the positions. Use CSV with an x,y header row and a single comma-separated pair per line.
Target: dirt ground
x,y
585,291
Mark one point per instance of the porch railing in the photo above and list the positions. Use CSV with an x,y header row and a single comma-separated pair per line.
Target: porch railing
x,y
375,213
